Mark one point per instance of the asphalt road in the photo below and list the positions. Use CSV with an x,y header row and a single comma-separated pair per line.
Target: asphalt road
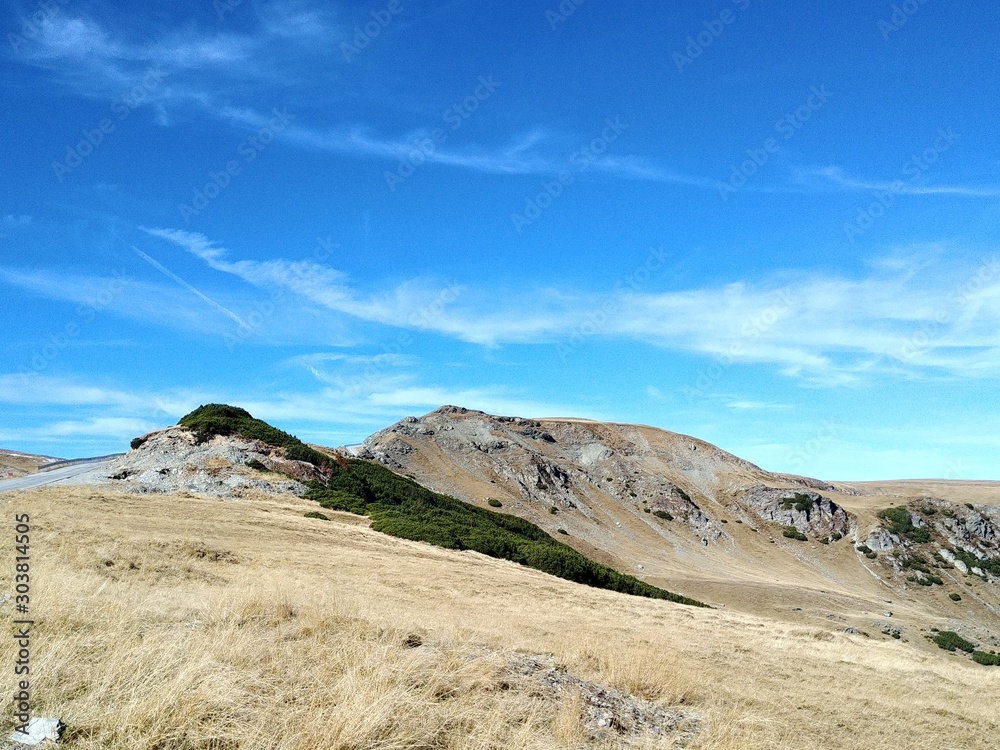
x,y
64,475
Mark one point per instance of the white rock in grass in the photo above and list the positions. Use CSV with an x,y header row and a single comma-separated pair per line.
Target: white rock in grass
x,y
39,730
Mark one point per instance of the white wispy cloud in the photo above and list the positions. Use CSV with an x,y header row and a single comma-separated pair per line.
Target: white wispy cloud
x,y
835,176
929,313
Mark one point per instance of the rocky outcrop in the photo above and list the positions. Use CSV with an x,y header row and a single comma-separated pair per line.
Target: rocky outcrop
x,y
173,460
809,512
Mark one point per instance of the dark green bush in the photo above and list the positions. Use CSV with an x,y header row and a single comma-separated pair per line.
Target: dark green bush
x,y
990,660
221,419
317,514
254,463
136,442
899,522
864,549
562,531
403,508
790,532
955,597
553,510
494,503
950,641
664,514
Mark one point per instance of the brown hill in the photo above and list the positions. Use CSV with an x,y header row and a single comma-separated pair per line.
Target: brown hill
x,y
683,514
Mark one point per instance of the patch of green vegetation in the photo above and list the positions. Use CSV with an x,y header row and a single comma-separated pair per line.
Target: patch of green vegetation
x,y
664,514
553,510
684,496
989,565
790,532
221,419
494,503
950,641
899,522
989,660
562,531
970,506
836,536
955,597
136,442
401,507
864,549
647,510
253,463
799,501
317,514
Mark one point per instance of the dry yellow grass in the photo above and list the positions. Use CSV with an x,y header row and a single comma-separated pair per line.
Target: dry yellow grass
x,y
175,623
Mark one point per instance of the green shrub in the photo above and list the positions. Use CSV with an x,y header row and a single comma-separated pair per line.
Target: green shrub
x,y
864,549
562,531
871,555
950,641
221,419
900,523
988,565
970,506
647,510
990,660
553,510
403,508
494,503
317,514
136,442
790,532
664,514
253,463
955,597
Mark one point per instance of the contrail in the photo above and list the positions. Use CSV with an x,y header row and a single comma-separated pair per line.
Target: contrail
x,y
170,274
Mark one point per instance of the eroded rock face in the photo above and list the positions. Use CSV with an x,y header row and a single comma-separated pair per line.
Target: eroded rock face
x,y
172,460
809,512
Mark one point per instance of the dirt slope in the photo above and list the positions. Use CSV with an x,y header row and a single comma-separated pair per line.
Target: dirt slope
x,y
18,464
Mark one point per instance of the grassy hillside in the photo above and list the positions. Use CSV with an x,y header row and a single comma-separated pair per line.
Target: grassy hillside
x,y
165,621
403,508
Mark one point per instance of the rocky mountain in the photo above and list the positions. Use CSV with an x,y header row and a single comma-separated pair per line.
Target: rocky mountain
x,y
680,512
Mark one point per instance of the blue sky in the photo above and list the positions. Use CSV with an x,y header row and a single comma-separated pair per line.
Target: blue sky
x,y
771,227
